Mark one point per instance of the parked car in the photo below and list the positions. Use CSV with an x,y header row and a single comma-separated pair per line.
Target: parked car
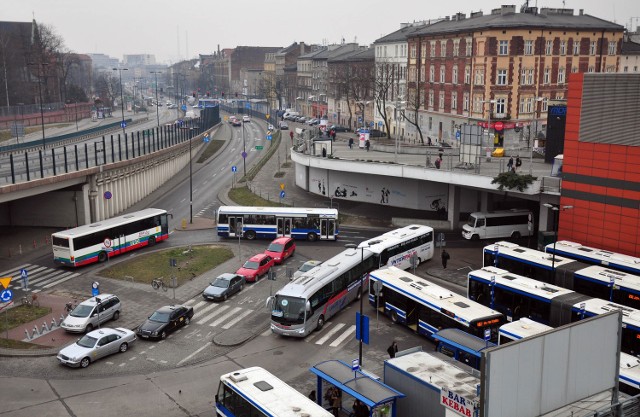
x,y
246,119
270,127
257,266
307,266
339,128
223,287
312,122
95,345
165,320
284,126
301,119
90,313
172,106
280,249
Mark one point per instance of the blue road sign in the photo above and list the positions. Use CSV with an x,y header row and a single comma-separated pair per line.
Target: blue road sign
x,y
123,124
355,364
6,295
247,105
234,168
487,334
95,289
371,124
206,139
380,123
268,137
282,194
24,275
362,334
457,134
244,154
183,107
359,119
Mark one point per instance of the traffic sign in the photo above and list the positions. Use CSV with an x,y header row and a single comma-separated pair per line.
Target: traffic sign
x,y
108,195
268,137
355,364
487,334
371,124
259,147
457,134
107,242
5,281
6,296
123,124
247,105
282,185
282,194
380,123
267,116
244,154
234,168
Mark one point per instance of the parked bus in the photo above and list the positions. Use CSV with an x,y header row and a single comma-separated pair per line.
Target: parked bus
x,y
629,378
586,254
516,297
494,224
461,346
592,280
256,392
272,222
309,300
426,307
102,240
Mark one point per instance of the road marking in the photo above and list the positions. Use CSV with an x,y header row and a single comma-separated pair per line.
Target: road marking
x,y
344,335
210,316
58,282
194,354
183,200
237,319
331,333
16,269
132,358
122,364
204,310
226,316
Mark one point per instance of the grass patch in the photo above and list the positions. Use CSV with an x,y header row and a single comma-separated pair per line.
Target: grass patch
x,y
6,135
147,267
211,149
243,197
286,165
19,344
20,315
279,174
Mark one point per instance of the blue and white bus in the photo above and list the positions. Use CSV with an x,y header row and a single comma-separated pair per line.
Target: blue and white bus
x,y
462,346
592,280
618,261
257,392
271,222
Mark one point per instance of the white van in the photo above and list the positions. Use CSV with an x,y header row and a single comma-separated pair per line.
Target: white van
x,y
497,224
288,115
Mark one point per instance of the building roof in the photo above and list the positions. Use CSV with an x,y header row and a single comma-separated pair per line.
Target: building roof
x,y
630,48
400,35
546,18
312,54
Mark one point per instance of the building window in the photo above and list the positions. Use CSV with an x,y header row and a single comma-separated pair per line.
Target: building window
x,y
612,47
528,47
422,74
468,47
443,48
432,46
530,76
592,48
563,47
502,77
412,74
477,104
432,73
526,105
442,73
574,69
454,75
479,79
503,48
591,69
611,68
547,76
413,51
456,47
454,100
523,76
430,123
500,107
467,74
431,99
441,100
576,47
549,48
561,75
635,68
465,102
423,51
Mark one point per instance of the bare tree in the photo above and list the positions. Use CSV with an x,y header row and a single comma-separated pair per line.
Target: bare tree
x,y
107,86
417,88
45,51
385,89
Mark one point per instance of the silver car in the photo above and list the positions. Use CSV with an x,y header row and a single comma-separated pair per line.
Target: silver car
x,y
95,345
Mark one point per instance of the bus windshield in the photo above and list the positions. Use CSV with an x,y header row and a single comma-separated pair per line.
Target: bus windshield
x,y
288,310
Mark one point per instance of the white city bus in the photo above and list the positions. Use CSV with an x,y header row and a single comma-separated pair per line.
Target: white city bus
x,y
256,392
493,224
308,301
96,242
619,261
271,222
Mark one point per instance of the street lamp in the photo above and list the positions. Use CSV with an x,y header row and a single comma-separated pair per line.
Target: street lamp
x,y
537,113
190,181
244,152
122,98
489,119
556,216
155,73
40,65
396,110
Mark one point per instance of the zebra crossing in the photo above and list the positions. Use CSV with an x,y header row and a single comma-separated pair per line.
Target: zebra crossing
x,y
39,277
225,316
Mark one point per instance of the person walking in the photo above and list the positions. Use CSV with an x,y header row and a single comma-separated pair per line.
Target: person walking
x,y
367,144
393,349
510,164
291,135
445,258
350,143
518,162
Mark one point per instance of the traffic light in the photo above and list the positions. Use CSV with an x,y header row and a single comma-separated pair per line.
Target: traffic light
x,y
208,93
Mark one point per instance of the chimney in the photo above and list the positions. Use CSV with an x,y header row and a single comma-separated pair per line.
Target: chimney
x,y
476,14
461,16
507,9
404,25
581,12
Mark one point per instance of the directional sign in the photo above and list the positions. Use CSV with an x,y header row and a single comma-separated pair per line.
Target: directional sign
x,y
234,169
267,116
282,194
268,137
371,124
6,296
359,119
355,364
123,124
259,147
282,185
457,134
380,123
487,334
244,154
5,281
206,138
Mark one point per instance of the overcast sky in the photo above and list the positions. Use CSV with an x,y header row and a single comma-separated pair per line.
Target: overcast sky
x,y
173,30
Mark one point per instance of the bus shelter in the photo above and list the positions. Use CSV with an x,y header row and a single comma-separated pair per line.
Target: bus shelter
x,y
379,398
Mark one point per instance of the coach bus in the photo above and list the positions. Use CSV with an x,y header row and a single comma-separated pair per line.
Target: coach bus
x,y
271,222
589,255
257,392
307,302
516,297
97,242
592,280
426,308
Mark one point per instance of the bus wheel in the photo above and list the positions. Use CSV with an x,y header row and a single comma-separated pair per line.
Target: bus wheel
x,y
151,241
250,235
394,316
102,256
312,237
320,323
516,235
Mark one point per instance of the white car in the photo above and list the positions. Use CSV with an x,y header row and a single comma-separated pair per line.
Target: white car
x,y
245,119
95,345
270,127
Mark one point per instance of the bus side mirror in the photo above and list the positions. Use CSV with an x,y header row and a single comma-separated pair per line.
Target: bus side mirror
x,y
269,302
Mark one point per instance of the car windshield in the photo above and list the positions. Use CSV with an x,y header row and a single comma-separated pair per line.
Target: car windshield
x,y
81,311
160,317
275,247
472,221
250,265
220,283
87,341
306,267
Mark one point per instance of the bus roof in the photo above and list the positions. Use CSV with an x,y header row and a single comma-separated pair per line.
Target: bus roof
x,y
469,342
519,283
629,369
432,295
280,211
271,395
528,255
108,223
630,316
523,328
394,237
437,372
621,279
601,256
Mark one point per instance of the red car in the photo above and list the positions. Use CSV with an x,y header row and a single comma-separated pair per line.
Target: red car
x,y
257,266
280,249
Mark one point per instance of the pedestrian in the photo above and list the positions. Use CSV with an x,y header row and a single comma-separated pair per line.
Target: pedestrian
x,y
445,257
336,402
438,162
291,135
324,152
510,163
518,162
366,144
393,349
312,395
360,409
328,395
350,143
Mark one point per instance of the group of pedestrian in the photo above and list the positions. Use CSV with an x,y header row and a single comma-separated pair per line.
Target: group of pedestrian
x,y
334,397
510,165
359,409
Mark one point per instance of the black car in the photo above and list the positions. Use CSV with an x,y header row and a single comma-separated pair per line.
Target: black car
x,y
165,320
339,128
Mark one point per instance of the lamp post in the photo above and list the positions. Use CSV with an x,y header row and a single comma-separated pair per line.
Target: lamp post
x,y
124,132
556,216
535,132
244,152
190,181
40,65
397,109
155,73
489,120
